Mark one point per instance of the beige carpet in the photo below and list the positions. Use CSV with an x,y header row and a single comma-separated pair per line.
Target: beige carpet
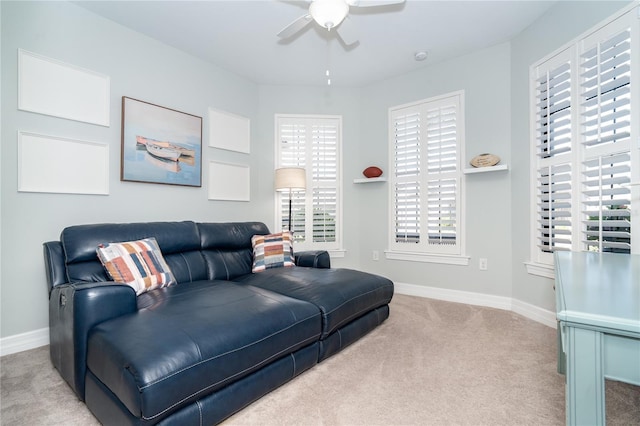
x,y
430,363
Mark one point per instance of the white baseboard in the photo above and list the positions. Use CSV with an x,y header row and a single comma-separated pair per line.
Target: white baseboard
x,y
535,313
25,341
532,312
35,339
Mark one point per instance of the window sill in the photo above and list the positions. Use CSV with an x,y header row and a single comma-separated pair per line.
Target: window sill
x,y
427,257
540,269
337,253
333,253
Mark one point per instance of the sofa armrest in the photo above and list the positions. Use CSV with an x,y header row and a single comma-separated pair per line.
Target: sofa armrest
x,y
74,308
313,259
54,265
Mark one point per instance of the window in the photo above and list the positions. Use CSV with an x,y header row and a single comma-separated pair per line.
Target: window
x,y
426,141
585,163
313,143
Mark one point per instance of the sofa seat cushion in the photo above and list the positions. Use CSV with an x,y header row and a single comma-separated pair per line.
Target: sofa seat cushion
x,y
342,295
193,339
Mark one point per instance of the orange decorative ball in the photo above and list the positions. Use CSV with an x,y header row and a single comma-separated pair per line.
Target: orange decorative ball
x,y
372,172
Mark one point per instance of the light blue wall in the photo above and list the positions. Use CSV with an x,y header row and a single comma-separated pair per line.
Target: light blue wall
x,y
552,31
320,100
494,81
141,68
484,77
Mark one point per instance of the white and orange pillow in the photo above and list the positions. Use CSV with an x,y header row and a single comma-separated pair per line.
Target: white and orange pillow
x,y
138,264
272,251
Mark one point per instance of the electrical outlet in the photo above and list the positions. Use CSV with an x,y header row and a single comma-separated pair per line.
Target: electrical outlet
x,y
483,264
375,255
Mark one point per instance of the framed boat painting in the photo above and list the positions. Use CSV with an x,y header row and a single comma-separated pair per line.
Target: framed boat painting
x,y
160,145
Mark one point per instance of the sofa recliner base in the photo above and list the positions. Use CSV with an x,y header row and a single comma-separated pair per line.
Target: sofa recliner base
x,y
213,408
351,332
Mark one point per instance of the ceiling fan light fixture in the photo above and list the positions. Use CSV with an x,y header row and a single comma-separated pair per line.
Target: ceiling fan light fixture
x,y
329,13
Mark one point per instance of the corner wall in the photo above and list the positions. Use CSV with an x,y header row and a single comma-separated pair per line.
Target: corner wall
x,y
484,76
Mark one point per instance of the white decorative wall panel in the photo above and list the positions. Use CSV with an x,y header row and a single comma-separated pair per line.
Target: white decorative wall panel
x,y
60,165
229,182
50,87
229,131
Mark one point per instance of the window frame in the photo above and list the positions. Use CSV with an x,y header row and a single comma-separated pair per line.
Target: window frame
x,y
334,248
542,263
423,251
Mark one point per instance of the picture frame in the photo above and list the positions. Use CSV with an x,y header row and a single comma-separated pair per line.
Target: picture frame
x,y
160,145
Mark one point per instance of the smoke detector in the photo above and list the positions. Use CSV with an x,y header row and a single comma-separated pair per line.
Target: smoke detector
x,y
420,56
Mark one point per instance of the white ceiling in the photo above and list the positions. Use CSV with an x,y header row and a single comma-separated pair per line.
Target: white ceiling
x,y
240,36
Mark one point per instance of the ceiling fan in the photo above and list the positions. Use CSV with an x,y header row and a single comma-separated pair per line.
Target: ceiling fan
x,y
331,14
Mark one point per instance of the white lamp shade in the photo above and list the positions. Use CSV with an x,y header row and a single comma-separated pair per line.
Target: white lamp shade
x,y
329,13
290,178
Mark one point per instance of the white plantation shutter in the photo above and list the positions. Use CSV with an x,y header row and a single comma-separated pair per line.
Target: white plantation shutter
x,y
442,141
324,215
407,177
605,94
586,161
312,142
553,146
426,141
606,204
553,106
606,91
293,144
298,214
554,207
441,211
442,179
325,177
324,146
407,212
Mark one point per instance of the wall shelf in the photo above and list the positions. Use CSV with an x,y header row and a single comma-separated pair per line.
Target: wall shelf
x,y
485,169
370,180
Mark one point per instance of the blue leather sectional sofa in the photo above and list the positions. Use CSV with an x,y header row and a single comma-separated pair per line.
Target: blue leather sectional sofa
x,y
196,352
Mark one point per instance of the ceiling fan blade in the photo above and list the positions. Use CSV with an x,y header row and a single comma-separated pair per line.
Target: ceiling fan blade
x,y
347,32
295,26
369,3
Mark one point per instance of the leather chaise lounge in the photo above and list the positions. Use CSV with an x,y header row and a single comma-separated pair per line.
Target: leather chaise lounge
x,y
198,351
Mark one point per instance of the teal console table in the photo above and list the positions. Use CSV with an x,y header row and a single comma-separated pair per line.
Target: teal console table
x,y
598,312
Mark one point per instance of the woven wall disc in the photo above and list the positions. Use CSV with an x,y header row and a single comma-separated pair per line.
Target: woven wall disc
x,y
485,160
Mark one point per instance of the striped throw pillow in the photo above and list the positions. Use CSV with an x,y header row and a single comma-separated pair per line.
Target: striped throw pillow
x,y
138,264
272,251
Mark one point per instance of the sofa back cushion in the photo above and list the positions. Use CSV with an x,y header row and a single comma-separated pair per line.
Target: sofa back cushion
x,y
227,248
179,243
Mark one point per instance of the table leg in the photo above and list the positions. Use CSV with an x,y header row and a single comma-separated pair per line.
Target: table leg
x,y
562,359
585,377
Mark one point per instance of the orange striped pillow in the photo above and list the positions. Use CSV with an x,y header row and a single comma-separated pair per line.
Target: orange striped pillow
x,y
138,264
272,251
